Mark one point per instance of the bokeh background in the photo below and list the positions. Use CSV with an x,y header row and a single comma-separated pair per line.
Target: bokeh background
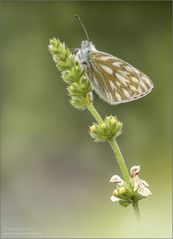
x,y
55,180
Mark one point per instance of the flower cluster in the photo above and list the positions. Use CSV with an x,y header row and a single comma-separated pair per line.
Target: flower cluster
x,y
127,195
79,87
107,130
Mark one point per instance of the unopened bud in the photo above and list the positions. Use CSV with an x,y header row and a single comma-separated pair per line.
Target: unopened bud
x,y
93,128
115,192
103,126
71,87
113,121
122,190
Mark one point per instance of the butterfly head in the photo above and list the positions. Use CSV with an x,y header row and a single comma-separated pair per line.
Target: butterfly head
x,y
82,55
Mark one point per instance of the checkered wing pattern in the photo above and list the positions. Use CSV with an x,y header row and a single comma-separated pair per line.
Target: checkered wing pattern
x,y
115,80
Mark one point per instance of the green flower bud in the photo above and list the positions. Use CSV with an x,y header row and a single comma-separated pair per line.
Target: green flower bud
x,y
108,130
113,121
80,102
71,88
103,126
115,192
122,190
119,191
79,89
61,55
73,75
93,128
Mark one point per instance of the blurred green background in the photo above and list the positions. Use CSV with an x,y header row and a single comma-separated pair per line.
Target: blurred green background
x,y
55,180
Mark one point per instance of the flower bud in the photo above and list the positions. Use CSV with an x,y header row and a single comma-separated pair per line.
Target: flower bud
x,y
113,121
103,126
93,128
107,130
115,192
71,87
122,190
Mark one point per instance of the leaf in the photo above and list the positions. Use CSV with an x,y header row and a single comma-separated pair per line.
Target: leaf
x,y
124,203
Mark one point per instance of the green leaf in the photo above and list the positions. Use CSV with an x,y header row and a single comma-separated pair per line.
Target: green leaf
x,y
124,203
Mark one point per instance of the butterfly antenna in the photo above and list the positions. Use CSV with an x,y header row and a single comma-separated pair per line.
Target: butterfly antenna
x,y
83,27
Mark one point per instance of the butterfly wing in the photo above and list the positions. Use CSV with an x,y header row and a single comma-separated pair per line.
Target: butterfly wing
x,y
115,80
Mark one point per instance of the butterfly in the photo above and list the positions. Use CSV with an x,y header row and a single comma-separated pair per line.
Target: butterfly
x,y
114,80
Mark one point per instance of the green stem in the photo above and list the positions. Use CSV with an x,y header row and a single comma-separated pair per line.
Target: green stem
x,y
118,155
113,144
136,209
94,113
120,159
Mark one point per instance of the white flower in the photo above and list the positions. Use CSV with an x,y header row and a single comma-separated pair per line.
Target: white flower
x,y
114,199
134,170
140,185
143,191
145,183
119,185
117,180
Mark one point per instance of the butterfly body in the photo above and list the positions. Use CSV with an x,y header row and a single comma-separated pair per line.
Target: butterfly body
x,y
114,80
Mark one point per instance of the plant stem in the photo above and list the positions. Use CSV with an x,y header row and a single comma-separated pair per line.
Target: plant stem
x,y
120,160
136,209
118,155
94,113
113,144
